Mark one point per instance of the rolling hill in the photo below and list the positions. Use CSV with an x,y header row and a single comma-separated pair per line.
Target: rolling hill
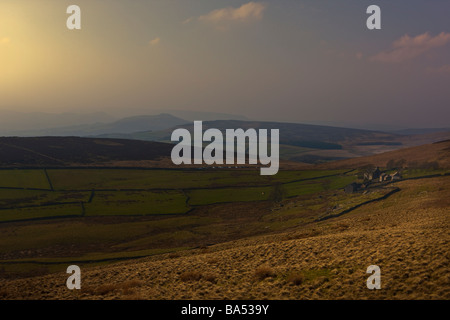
x,y
123,126
310,143
73,151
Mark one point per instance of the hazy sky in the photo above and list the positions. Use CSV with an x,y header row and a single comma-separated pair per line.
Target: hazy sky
x,y
288,60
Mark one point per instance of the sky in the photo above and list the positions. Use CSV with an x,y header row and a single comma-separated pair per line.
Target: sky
x,y
311,61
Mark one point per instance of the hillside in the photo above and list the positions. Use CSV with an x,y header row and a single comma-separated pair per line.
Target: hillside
x,y
406,235
438,152
301,143
217,234
310,143
72,151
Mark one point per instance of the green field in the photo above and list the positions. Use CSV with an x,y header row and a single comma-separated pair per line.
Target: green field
x,y
98,215
210,196
23,179
88,179
122,192
13,198
137,203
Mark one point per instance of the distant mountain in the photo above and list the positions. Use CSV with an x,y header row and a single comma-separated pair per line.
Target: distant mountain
x,y
13,121
204,115
122,126
294,134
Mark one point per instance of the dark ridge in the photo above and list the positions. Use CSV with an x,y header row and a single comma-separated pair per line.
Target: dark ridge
x,y
63,151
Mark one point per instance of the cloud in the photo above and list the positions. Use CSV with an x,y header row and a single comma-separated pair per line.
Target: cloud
x,y
155,41
251,11
408,48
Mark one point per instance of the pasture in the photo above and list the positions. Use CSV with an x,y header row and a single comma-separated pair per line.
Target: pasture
x,y
50,218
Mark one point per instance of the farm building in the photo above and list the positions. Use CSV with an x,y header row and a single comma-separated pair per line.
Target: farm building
x,y
373,175
353,187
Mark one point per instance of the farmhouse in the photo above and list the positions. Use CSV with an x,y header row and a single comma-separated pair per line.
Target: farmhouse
x,y
353,187
390,177
373,175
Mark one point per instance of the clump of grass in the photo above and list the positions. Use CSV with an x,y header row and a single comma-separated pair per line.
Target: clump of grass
x,y
128,286
190,276
102,290
264,272
131,284
296,278
210,277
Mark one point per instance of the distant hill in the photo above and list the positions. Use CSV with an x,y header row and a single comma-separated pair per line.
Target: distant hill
x,y
122,126
305,143
420,131
290,133
203,115
309,143
312,144
73,151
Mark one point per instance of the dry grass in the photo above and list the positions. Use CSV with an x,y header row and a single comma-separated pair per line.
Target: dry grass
x,y
264,272
125,288
190,276
3,293
210,277
296,278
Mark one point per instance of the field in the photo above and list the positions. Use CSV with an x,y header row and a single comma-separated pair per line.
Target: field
x,y
31,194
405,234
51,218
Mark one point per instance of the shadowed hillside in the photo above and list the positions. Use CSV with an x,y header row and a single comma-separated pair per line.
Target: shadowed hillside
x,y
436,154
311,144
69,151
